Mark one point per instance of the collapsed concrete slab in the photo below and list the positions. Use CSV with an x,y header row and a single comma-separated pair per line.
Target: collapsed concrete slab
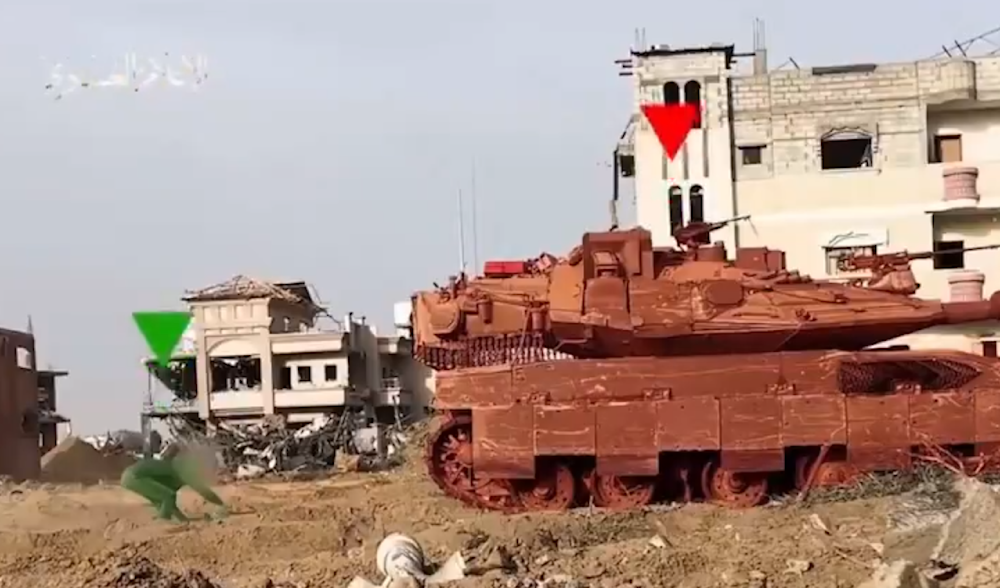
x,y
970,540
967,554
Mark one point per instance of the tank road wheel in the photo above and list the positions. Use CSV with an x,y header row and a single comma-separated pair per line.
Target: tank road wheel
x,y
623,492
737,489
830,473
836,473
449,463
553,488
449,458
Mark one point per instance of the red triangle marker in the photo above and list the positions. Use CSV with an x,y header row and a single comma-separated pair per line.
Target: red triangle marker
x,y
671,123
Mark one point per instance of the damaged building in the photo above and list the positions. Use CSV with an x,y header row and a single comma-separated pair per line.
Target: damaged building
x,y
28,416
257,349
20,450
49,417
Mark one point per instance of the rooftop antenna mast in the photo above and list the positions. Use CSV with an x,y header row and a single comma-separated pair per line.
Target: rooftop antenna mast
x,y
461,234
475,221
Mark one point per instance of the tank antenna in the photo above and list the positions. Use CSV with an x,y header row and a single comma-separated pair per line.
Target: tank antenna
x,y
475,220
461,234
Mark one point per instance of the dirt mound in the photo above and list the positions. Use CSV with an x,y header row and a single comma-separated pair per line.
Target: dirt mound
x,y
74,461
139,572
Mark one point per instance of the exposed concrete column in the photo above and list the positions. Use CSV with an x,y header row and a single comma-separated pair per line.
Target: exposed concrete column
x,y
266,371
204,378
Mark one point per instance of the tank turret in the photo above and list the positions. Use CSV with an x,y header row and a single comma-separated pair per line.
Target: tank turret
x,y
616,295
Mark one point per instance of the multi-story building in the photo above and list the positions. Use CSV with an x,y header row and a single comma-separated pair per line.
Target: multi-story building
x,y
20,451
256,348
49,418
830,161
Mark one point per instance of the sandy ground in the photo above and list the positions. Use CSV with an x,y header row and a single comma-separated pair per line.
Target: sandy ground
x,y
322,533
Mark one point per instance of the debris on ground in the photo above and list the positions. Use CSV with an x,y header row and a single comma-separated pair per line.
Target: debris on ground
x,y
925,480
400,558
124,441
272,446
74,461
967,553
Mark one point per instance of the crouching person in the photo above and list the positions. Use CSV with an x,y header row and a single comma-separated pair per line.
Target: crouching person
x,y
159,481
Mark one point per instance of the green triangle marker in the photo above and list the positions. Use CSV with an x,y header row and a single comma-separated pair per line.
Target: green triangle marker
x,y
162,331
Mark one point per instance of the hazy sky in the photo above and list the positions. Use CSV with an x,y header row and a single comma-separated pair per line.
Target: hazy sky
x,y
329,143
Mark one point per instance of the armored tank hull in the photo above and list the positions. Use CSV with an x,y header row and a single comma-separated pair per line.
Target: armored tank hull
x,y
623,372
625,432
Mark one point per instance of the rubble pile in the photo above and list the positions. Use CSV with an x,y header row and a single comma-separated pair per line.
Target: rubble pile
x,y
74,461
967,554
274,447
124,442
270,446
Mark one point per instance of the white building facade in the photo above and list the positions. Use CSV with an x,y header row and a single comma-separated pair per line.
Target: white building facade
x,y
255,349
829,161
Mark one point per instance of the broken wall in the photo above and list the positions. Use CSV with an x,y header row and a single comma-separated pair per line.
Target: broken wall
x,y
20,453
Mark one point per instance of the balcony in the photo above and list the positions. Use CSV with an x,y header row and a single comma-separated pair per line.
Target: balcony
x,y
236,401
175,406
319,396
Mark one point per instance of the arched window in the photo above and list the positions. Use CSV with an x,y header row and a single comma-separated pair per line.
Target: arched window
x,y
671,93
696,197
692,95
675,200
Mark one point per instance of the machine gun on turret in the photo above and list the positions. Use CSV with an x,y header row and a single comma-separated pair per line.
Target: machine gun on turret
x,y
696,233
891,272
879,263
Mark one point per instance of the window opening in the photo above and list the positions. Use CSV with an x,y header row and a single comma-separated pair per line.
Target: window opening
x,y
330,372
285,379
692,95
947,149
846,151
305,374
752,154
23,358
989,348
676,202
951,255
696,198
671,93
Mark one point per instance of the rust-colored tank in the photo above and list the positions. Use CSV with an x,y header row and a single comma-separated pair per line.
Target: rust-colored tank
x,y
622,371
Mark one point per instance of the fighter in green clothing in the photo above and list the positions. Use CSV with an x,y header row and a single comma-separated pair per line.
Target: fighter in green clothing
x,y
159,480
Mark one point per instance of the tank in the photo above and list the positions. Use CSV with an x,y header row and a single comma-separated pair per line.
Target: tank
x,y
622,373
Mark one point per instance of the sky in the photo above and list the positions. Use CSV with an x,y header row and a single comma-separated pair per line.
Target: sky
x,y
329,144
